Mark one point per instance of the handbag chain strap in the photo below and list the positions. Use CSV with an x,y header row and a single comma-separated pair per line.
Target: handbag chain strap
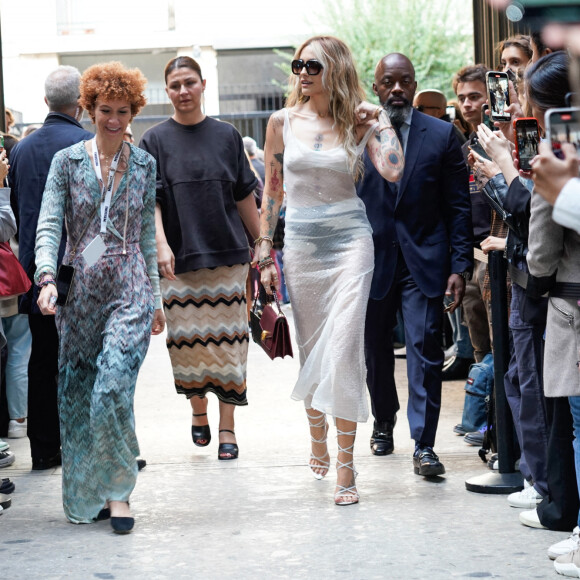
x,y
275,294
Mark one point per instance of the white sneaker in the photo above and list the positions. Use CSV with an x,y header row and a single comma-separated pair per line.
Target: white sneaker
x,y
17,430
569,564
565,546
528,498
4,446
532,519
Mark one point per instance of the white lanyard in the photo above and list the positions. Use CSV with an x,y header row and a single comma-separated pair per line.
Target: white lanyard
x,y
106,191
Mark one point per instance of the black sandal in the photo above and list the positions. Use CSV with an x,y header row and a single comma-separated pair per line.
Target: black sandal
x,y
200,432
231,450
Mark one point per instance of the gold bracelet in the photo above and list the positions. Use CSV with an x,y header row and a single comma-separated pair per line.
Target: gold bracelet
x,y
262,238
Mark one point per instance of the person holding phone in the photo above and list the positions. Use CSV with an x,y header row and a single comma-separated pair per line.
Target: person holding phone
x,y
103,189
554,249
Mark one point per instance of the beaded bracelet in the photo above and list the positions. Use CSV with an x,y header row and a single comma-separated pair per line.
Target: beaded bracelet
x,y
46,282
265,263
262,238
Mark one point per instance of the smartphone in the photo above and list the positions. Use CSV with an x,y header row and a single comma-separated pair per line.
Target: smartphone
x,y
563,126
527,132
64,280
476,147
485,118
450,112
498,95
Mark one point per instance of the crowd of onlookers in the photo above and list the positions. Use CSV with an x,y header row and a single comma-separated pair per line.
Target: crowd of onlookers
x,y
528,212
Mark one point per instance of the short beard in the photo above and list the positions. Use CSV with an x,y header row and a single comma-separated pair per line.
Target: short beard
x,y
398,114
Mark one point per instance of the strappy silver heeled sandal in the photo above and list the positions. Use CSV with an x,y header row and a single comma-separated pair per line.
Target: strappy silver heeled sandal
x,y
346,495
323,463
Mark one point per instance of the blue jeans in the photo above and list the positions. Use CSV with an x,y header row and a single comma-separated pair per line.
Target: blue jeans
x,y
461,340
19,342
575,409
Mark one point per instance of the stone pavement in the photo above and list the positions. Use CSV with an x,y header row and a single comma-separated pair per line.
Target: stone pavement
x,y
264,515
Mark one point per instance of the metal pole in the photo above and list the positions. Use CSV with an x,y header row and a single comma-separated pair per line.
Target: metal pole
x,y
507,480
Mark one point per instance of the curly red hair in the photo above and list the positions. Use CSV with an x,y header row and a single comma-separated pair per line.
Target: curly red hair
x,y
112,81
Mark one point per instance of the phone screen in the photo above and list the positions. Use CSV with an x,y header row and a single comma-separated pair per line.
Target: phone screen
x,y
563,126
485,118
498,95
527,138
450,112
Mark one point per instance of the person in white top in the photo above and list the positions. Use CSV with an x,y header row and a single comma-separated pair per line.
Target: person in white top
x,y
314,148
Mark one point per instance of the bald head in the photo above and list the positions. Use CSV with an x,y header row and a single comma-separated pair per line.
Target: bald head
x,y
393,60
431,102
395,85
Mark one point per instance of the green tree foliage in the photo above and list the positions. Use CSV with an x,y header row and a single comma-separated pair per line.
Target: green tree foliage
x,y
437,35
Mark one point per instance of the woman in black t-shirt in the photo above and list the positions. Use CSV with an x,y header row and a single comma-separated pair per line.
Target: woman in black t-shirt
x,y
204,199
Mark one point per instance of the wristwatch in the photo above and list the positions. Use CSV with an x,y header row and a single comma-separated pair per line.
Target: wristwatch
x,y
466,275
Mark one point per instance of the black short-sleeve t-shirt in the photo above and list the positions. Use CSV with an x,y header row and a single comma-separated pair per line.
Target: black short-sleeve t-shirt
x,y
202,171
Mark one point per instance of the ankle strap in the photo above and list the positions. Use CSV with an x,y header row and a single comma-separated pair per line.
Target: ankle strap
x,y
227,431
199,414
321,420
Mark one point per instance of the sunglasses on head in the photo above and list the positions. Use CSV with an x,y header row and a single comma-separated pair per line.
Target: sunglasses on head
x,y
313,67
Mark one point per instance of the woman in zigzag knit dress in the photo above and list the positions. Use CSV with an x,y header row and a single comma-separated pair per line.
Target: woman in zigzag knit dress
x,y
204,199
103,190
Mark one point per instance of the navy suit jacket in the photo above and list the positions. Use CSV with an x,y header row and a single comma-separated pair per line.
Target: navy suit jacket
x,y
427,214
30,161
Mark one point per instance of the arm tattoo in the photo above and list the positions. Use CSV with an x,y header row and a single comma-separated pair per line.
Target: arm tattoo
x,y
280,159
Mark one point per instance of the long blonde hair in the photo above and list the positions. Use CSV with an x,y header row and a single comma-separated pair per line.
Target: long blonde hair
x,y
340,80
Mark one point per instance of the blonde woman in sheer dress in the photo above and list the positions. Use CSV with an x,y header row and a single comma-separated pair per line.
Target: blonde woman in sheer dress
x,y
314,146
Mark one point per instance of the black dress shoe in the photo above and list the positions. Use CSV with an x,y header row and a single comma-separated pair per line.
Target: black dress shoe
x,y
6,486
456,369
382,442
41,463
426,463
122,525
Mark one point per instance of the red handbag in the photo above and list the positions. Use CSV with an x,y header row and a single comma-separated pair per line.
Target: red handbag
x,y
13,278
271,330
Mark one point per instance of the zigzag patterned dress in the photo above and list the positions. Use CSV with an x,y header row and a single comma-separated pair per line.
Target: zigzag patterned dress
x,y
105,328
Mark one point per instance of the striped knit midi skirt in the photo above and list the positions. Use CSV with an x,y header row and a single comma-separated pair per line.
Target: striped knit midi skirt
x,y
207,332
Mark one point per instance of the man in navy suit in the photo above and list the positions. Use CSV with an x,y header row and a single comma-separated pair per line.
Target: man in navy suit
x,y
29,165
423,251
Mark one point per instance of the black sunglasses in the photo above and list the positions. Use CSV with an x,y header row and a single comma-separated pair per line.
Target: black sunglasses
x,y
313,67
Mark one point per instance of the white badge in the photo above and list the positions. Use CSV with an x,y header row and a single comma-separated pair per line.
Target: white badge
x,y
94,251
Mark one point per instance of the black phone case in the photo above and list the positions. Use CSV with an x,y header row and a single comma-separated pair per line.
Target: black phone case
x,y
64,279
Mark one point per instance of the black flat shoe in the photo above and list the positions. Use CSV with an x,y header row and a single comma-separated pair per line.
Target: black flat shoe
x,y
141,463
200,434
227,450
122,525
382,442
104,514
